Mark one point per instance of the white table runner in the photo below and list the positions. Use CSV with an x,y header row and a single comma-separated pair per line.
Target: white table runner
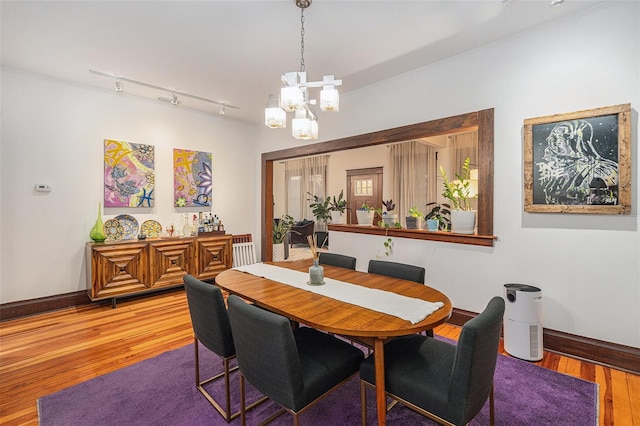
x,y
407,308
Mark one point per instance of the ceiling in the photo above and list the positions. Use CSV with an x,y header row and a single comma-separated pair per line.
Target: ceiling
x,y
235,51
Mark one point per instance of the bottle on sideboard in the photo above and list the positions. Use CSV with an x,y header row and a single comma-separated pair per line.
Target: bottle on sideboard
x,y
97,232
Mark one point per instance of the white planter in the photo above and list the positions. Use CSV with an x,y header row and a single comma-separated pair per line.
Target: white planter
x,y
365,217
463,221
389,219
278,252
337,217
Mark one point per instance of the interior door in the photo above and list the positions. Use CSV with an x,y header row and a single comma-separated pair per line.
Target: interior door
x,y
363,186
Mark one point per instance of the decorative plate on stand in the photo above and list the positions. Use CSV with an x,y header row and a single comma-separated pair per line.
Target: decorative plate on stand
x,y
151,228
113,230
130,225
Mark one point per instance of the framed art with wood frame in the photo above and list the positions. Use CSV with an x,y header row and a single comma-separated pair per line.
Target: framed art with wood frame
x,y
579,162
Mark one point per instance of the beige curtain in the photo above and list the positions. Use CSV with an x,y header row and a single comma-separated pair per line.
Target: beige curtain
x,y
462,146
413,176
301,176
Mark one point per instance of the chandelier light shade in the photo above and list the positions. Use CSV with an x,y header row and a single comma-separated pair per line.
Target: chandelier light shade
x,y
329,97
291,98
301,125
274,116
294,96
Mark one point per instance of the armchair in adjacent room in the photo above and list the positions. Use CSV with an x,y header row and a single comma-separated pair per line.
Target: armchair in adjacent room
x,y
300,231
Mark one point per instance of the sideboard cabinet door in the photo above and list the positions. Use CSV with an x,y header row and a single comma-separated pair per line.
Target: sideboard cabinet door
x,y
214,255
118,269
170,260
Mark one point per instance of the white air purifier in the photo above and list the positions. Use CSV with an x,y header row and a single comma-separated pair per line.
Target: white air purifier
x,y
523,321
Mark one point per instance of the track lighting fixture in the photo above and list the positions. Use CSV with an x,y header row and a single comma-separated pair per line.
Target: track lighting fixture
x,y
173,100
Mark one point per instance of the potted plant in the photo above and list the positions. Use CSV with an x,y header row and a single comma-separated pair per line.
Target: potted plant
x,y
365,215
322,213
439,218
389,218
414,220
459,192
281,228
337,208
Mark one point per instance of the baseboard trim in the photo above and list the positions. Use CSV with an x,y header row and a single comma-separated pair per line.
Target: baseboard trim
x,y
618,356
25,308
614,355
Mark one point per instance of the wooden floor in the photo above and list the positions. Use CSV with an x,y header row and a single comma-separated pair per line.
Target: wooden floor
x,y
43,354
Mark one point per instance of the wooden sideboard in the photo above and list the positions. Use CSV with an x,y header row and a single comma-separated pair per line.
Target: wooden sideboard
x,y
123,268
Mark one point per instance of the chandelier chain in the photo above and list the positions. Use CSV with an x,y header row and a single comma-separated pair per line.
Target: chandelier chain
x,y
302,67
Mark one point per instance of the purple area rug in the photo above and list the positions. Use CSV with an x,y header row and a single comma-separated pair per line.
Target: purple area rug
x,y
161,391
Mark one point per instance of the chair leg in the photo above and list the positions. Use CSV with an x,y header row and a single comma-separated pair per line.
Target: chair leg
x,y
243,411
363,403
492,414
227,388
226,414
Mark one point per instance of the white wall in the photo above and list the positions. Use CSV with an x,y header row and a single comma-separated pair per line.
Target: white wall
x,y
588,266
53,132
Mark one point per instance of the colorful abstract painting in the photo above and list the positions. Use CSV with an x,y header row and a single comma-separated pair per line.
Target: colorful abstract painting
x,y
129,176
191,178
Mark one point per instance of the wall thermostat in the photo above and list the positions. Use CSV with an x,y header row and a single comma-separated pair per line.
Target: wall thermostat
x,y
42,187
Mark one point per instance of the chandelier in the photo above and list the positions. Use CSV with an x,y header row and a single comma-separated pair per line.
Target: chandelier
x,y
294,96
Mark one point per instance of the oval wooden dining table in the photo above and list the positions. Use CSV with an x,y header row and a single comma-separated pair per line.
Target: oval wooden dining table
x,y
333,316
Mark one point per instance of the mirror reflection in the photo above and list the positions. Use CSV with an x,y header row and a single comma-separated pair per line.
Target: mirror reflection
x,y
367,170
405,173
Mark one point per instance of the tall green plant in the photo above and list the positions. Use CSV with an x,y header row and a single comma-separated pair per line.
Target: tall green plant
x,y
320,207
458,191
281,227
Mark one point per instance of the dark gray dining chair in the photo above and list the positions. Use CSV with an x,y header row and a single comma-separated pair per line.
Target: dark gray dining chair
x,y
397,270
294,368
446,382
339,260
211,327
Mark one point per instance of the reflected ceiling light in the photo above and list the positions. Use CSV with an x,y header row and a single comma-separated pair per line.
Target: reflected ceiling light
x,y
222,110
294,96
554,3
